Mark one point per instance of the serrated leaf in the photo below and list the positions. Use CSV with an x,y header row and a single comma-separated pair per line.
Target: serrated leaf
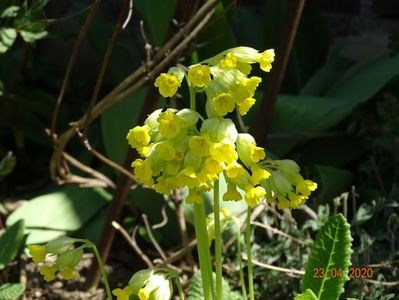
x,y
307,295
332,250
10,243
11,291
196,292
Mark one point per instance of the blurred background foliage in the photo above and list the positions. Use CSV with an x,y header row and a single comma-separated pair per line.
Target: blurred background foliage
x,y
337,115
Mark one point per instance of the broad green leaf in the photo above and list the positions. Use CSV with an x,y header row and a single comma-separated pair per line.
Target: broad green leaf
x,y
364,80
333,182
63,211
196,292
11,291
331,252
297,115
307,295
325,76
157,17
10,243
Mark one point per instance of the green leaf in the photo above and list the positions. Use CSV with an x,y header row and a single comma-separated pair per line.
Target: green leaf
x,y
31,37
60,244
10,12
64,211
7,164
157,15
333,182
7,38
11,291
364,80
331,252
307,295
196,292
10,243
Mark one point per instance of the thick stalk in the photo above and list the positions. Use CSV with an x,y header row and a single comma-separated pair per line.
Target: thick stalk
x,y
218,241
203,250
249,255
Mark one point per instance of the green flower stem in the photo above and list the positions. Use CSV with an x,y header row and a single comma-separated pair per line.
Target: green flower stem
x,y
242,281
179,287
192,97
218,240
203,250
102,268
249,255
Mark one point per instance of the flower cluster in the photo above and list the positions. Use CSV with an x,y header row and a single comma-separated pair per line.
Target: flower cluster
x,y
179,155
286,184
146,284
65,262
181,149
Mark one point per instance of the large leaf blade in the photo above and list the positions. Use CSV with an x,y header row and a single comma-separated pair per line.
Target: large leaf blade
x,y
10,243
11,291
332,250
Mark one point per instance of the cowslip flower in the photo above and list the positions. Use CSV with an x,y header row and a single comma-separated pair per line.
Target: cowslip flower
x,y
123,294
68,273
199,75
147,285
48,272
38,253
167,84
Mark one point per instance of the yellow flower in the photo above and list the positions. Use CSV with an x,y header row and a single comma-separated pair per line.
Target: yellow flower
x,y
258,174
173,167
305,187
138,136
169,125
68,273
48,272
213,166
187,177
257,154
199,75
232,194
38,253
265,60
194,197
143,171
167,84
223,104
245,106
224,152
166,151
229,61
234,170
253,195
244,68
143,294
200,145
123,294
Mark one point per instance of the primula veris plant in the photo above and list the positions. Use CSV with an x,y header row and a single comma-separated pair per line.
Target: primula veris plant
x,y
183,149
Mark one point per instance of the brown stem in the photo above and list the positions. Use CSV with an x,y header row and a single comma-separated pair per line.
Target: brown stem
x,y
71,64
283,52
